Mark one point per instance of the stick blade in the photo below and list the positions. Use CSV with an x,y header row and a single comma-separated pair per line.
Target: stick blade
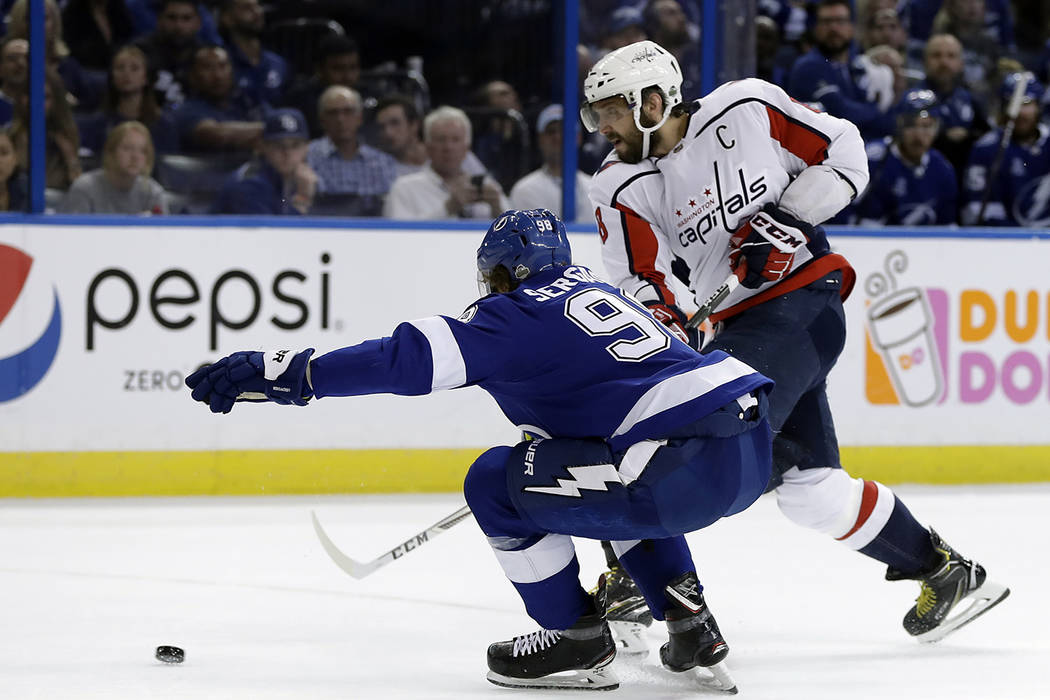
x,y
355,568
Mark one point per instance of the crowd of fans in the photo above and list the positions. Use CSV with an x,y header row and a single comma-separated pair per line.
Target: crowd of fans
x,y
182,106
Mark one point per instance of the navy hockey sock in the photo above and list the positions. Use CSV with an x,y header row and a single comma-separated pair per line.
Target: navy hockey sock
x,y
558,601
902,542
653,564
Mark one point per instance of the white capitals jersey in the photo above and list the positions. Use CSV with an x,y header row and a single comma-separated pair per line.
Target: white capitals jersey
x,y
744,145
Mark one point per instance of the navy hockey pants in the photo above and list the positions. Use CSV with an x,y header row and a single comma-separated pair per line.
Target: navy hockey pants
x,y
794,340
530,498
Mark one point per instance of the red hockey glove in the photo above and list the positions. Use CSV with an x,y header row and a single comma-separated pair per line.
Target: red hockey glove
x,y
675,319
763,249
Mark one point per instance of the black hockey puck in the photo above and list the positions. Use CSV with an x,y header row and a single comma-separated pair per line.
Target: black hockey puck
x,y
170,655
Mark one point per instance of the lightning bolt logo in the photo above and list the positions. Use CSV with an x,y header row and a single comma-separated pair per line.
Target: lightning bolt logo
x,y
592,477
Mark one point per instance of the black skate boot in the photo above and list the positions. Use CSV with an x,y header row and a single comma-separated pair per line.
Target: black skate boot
x,y
695,640
576,658
953,593
628,613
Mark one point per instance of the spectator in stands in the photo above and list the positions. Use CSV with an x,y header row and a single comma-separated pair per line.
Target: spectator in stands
x,y
541,189
62,138
963,118
626,26
501,137
884,27
260,74
14,73
169,48
278,180
994,16
767,46
890,57
343,164
96,29
13,186
443,189
85,87
399,129
216,116
911,183
123,184
1002,182
145,16
128,97
666,23
338,62
854,89
965,20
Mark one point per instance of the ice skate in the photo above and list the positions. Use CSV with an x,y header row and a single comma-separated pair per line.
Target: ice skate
x,y
577,658
952,594
695,640
628,613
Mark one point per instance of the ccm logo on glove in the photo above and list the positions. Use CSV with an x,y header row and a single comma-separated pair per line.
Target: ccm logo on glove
x,y
763,249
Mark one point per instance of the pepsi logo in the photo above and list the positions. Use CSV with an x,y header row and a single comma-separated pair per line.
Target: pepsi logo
x,y
28,338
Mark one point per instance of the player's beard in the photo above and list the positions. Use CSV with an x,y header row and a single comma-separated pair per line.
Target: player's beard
x,y
632,145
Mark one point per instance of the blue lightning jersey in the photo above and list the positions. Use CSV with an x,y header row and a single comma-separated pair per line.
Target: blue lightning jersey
x,y
1020,189
565,355
900,194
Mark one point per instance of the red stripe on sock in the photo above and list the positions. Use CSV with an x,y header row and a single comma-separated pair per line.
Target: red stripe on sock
x,y
867,505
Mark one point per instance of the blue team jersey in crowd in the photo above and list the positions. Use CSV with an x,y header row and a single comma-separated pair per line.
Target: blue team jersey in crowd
x,y
564,355
900,194
1020,190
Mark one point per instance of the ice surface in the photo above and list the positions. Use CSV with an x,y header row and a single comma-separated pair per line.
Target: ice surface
x,y
91,587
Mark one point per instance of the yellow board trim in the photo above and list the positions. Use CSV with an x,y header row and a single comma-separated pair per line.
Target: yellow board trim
x,y
76,474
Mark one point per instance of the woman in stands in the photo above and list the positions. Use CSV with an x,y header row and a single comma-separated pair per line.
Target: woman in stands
x,y
62,164
129,96
13,186
123,184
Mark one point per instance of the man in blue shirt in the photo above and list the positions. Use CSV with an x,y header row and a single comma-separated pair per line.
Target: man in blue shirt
x,y
260,74
911,184
830,74
353,177
637,436
216,117
1006,183
278,181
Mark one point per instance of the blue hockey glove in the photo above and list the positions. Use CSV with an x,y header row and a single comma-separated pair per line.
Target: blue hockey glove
x,y
675,320
763,249
280,376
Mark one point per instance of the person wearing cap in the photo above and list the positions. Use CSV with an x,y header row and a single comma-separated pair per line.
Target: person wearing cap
x,y
356,174
1002,185
278,180
911,184
541,189
625,26
216,117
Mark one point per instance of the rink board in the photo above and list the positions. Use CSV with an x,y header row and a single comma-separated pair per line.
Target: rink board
x,y
945,377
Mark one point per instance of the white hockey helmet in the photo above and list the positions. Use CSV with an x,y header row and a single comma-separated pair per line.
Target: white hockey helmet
x,y
626,72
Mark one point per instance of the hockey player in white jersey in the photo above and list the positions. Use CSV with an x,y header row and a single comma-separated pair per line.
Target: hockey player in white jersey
x,y
638,437
732,189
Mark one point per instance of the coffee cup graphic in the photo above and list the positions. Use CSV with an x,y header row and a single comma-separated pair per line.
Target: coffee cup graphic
x,y
901,327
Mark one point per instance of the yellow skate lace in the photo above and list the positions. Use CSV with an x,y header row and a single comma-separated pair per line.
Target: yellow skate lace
x,y
926,600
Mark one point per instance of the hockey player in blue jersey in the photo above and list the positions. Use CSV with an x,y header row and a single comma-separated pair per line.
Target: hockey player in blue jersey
x,y
911,183
637,437
1005,183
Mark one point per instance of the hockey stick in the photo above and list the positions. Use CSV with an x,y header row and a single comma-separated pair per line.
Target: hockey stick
x,y
708,307
359,569
1013,108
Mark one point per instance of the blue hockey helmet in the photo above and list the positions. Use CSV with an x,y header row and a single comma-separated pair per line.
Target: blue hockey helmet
x,y
914,105
524,242
1032,91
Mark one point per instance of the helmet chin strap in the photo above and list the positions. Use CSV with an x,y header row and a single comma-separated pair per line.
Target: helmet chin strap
x,y
648,130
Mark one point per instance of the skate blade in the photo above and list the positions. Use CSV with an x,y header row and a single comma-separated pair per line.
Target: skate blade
x,y
590,679
716,678
630,638
967,610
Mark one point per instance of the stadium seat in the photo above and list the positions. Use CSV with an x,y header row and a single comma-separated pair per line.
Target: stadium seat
x,y
197,178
